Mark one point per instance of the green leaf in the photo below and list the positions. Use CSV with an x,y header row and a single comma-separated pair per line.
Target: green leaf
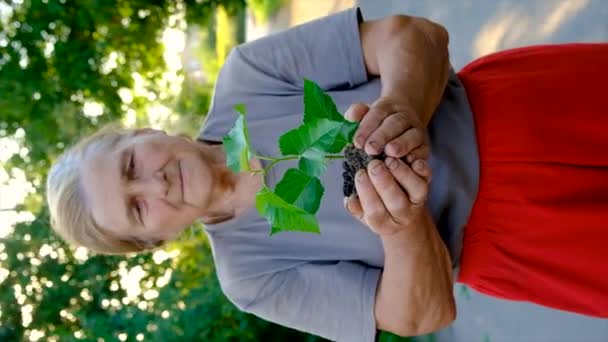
x,y
236,143
318,105
318,136
312,166
283,216
240,108
301,190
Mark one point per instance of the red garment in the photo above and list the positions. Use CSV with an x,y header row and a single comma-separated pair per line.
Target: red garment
x,y
538,230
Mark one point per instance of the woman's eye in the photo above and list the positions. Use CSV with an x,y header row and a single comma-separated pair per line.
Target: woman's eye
x,y
131,166
138,210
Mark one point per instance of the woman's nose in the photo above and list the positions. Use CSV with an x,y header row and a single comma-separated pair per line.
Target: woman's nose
x,y
154,185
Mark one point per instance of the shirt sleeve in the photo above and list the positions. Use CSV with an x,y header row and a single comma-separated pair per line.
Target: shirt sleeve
x,y
326,50
334,301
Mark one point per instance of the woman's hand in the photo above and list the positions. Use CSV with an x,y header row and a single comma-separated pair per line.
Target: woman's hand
x,y
390,126
411,56
392,196
414,294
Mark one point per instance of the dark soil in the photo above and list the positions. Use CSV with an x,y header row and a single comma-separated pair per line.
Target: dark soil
x,y
355,159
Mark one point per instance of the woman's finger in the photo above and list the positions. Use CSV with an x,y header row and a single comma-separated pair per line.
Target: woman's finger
x,y
374,212
421,152
356,112
405,143
353,206
391,128
415,185
372,120
391,193
422,168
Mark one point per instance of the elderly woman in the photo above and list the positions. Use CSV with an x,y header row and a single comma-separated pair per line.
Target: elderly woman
x,y
517,207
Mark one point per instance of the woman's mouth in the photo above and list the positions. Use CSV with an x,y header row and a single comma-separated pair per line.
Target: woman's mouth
x,y
181,180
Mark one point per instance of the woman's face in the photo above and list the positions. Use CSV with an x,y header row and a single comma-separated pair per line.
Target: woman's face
x,y
148,185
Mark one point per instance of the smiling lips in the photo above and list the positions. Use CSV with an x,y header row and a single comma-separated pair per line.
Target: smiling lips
x,y
181,179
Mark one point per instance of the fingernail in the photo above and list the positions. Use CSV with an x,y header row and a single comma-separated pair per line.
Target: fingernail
x,y
372,147
410,158
390,163
361,175
392,148
376,167
420,165
347,114
360,140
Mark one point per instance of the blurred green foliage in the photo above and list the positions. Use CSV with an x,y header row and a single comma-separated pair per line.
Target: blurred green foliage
x,y
71,297
263,10
57,56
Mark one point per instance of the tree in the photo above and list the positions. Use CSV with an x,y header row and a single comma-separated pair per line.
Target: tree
x,y
67,67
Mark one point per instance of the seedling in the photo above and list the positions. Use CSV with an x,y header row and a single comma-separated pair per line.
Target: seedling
x,y
323,135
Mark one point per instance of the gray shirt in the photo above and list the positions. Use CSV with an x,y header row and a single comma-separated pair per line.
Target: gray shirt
x,y
323,284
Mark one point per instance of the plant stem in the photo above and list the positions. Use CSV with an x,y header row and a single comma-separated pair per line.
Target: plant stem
x,y
276,160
